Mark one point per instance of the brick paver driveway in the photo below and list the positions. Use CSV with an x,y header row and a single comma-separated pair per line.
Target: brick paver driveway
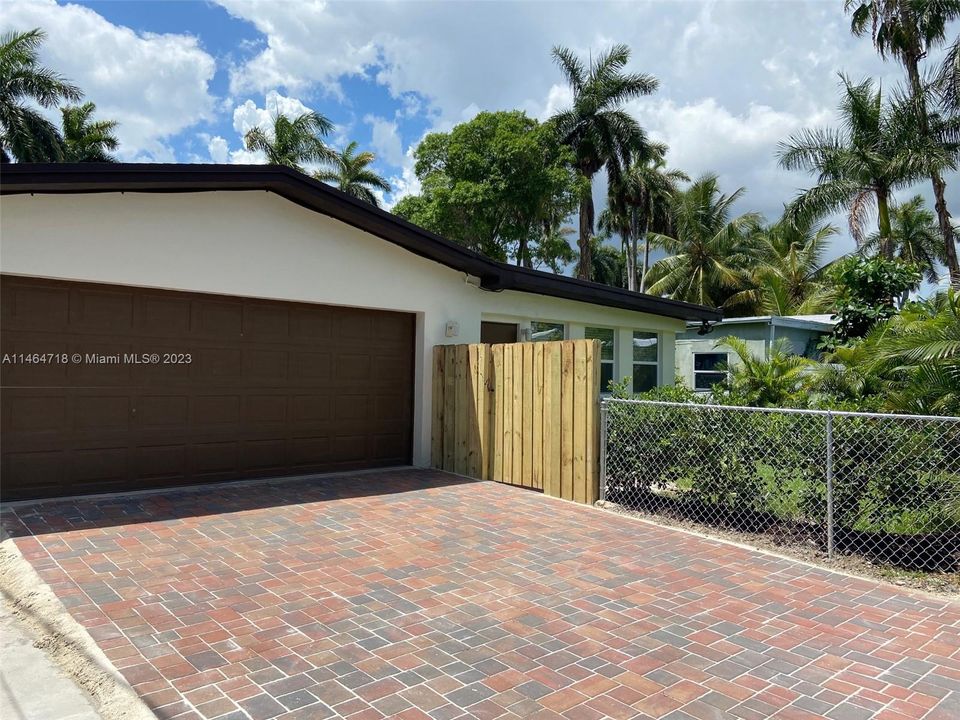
x,y
420,595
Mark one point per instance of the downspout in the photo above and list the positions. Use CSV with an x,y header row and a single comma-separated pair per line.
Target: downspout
x,y
773,332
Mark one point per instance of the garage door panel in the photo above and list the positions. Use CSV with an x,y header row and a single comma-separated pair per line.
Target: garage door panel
x,y
265,366
218,319
265,410
266,323
215,457
101,310
161,461
311,368
264,454
33,415
162,315
273,388
33,474
102,413
214,410
38,306
98,466
162,412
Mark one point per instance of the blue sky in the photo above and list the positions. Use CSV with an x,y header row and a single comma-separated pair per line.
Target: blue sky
x,y
186,79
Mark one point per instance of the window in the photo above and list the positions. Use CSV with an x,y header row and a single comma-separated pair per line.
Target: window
x,y
708,370
544,331
606,338
646,360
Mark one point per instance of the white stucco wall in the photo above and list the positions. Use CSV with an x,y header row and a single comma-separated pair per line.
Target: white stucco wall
x,y
258,244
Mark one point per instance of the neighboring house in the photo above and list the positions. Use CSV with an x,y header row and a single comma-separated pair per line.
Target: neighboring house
x,y
297,324
700,361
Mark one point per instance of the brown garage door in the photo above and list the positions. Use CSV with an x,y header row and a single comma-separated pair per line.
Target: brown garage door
x,y
269,388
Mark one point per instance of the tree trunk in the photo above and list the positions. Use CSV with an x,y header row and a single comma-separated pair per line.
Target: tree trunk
x,y
911,61
585,271
646,261
523,256
631,257
946,229
886,233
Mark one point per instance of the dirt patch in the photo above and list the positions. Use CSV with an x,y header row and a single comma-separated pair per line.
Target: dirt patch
x,y
938,583
64,640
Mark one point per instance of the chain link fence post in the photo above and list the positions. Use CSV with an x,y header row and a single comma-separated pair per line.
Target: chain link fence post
x,y
604,412
829,473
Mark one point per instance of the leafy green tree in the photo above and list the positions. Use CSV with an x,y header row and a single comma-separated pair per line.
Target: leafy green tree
x,y
352,175
709,253
638,204
25,134
764,382
609,263
859,165
915,237
597,128
788,277
500,184
85,139
866,288
908,30
293,141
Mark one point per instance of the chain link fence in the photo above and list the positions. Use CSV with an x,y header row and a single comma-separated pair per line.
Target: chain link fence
x,y
885,487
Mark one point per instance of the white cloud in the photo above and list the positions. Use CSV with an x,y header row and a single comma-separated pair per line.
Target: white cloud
x,y
386,140
153,85
219,149
247,115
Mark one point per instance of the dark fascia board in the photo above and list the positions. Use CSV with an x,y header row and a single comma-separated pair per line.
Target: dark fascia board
x,y
26,178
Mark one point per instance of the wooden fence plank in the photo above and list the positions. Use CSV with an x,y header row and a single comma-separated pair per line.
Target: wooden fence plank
x,y
551,419
537,426
473,410
449,408
527,425
436,424
517,410
591,433
580,390
489,417
566,421
508,476
498,395
462,402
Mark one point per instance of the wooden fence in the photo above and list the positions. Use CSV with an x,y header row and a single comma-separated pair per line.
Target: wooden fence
x,y
524,414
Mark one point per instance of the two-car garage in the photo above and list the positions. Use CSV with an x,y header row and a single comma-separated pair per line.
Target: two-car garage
x,y
107,388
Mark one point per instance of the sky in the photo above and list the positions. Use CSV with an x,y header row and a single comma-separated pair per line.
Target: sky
x,y
186,79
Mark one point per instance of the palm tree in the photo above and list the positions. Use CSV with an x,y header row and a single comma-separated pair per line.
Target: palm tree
x,y
915,237
609,265
908,30
24,133
294,141
917,354
765,382
859,165
597,128
947,82
85,140
710,254
639,204
352,176
788,276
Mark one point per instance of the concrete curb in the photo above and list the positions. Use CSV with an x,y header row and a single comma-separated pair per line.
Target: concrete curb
x,y
64,640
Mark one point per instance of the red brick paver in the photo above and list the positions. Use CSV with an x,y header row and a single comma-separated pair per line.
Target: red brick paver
x,y
420,595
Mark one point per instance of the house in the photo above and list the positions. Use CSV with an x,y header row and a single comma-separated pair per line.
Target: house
x,y
700,361
179,324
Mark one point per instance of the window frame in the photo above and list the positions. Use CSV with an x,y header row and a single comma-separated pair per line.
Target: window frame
x,y
564,331
612,361
695,372
647,363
